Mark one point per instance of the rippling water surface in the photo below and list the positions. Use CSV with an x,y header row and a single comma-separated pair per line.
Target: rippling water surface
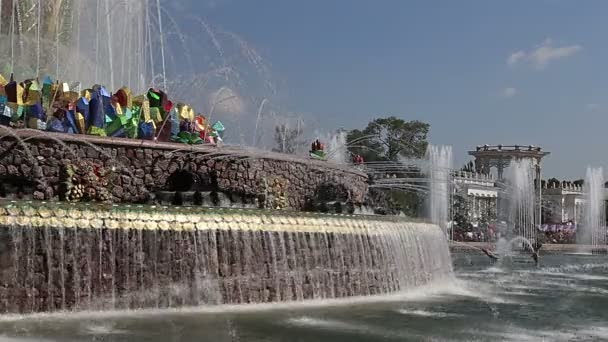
x,y
564,299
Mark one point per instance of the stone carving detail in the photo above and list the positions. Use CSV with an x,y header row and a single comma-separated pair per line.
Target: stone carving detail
x,y
86,181
274,193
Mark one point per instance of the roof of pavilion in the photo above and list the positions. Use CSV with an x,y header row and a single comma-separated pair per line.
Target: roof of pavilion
x,y
508,151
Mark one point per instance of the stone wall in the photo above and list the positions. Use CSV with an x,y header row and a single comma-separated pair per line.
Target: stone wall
x,y
91,257
35,165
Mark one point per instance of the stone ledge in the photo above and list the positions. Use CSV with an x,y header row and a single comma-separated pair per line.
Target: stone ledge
x,y
237,151
53,166
75,216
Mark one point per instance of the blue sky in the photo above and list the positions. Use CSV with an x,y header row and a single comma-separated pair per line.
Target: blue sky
x,y
510,72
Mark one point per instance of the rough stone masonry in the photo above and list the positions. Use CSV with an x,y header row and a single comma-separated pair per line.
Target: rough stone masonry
x,y
37,165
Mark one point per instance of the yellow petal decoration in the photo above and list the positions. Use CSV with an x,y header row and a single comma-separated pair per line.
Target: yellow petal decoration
x,y
185,112
20,91
139,100
145,110
70,96
155,115
118,109
80,122
87,94
191,113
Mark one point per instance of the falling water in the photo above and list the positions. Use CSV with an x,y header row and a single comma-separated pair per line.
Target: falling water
x,y
119,20
336,147
81,40
257,121
439,171
162,44
521,199
93,258
139,44
593,230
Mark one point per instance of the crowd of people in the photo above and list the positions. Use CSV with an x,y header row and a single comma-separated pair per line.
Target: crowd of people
x,y
488,233
561,237
357,159
317,146
485,233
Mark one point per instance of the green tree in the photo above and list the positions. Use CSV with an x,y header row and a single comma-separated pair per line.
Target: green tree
x,y
387,139
460,212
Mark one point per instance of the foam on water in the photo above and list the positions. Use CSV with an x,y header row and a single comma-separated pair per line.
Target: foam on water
x,y
572,286
424,313
328,324
103,329
486,294
578,276
444,289
514,333
356,328
556,278
494,269
22,339
571,268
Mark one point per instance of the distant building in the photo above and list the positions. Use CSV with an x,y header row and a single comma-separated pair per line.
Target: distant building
x,y
480,196
562,202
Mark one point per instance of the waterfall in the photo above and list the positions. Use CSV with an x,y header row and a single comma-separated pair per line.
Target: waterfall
x,y
439,174
58,257
593,230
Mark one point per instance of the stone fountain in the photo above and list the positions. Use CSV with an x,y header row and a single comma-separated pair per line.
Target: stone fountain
x,y
89,251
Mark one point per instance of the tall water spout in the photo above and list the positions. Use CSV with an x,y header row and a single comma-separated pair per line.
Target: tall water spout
x,y
593,230
440,166
336,147
521,201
